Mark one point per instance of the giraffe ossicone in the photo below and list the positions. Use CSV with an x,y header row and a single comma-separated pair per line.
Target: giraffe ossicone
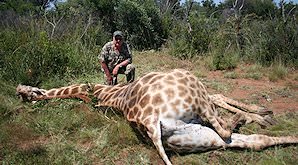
x,y
172,106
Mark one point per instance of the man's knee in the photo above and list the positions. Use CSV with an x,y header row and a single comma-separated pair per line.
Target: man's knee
x,y
130,73
130,68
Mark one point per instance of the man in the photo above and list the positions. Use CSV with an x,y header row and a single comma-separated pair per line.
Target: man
x,y
116,58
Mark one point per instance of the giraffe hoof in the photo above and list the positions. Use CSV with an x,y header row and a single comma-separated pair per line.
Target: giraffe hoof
x,y
270,120
228,140
267,121
264,112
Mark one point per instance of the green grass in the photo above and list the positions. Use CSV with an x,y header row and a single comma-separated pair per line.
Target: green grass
x,y
72,132
254,72
278,72
231,75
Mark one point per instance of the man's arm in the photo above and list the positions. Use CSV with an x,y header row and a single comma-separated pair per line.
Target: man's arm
x,y
128,56
102,60
105,69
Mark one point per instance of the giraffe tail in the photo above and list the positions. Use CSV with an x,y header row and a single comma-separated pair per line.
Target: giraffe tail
x,y
258,142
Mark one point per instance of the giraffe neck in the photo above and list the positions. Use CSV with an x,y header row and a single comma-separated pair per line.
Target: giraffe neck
x,y
80,91
111,96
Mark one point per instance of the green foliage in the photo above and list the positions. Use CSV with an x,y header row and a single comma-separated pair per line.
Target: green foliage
x,y
19,6
253,72
265,8
223,51
187,44
231,75
32,60
278,72
272,41
140,20
39,49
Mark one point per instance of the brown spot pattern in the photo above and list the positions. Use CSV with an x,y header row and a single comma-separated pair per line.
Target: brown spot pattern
x,y
178,74
59,91
132,102
182,90
66,91
148,111
75,90
51,93
144,101
183,81
157,99
170,93
155,79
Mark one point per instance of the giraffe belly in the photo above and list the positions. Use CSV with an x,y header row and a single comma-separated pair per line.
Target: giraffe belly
x,y
183,115
187,137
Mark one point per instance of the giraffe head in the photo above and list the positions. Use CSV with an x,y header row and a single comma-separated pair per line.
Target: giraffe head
x,y
28,93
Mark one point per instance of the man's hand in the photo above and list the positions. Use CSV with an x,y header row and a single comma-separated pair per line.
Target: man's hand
x,y
115,70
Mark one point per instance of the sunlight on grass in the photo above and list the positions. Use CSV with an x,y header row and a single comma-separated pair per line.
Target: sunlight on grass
x,y
254,72
278,72
231,75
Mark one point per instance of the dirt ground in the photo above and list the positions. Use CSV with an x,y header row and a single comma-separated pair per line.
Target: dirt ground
x,y
280,96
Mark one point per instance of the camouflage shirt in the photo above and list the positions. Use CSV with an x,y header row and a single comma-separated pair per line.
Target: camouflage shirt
x,y
112,57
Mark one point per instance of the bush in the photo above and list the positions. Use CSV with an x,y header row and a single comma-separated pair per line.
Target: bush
x,y
31,54
272,41
187,44
32,60
141,22
224,51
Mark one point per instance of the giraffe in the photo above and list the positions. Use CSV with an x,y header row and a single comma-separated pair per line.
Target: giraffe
x,y
158,103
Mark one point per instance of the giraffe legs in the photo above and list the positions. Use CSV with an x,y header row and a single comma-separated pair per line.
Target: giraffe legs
x,y
221,127
252,113
183,137
155,134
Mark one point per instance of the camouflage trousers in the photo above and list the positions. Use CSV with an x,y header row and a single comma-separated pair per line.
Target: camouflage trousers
x,y
128,70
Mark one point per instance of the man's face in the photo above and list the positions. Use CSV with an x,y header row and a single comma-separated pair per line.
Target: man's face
x,y
118,40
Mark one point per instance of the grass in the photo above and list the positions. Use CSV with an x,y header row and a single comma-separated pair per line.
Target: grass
x,y
71,132
278,72
231,75
254,72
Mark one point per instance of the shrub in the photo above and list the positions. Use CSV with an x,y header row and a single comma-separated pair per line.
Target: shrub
x,y
186,44
272,40
224,51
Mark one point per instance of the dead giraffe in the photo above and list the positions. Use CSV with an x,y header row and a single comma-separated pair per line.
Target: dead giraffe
x,y
155,102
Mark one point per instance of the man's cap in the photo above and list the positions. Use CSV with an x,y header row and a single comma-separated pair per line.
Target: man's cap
x,y
118,33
